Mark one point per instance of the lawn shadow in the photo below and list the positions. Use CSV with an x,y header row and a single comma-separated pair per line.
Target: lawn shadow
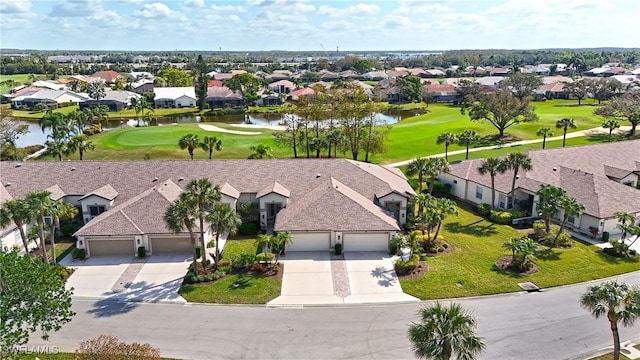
x,y
108,307
472,229
548,254
617,260
497,269
604,137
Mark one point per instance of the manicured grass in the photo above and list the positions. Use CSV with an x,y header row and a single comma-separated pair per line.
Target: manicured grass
x,y
608,356
123,114
238,288
21,79
478,243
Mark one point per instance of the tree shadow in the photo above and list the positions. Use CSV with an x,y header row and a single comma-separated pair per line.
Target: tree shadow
x,y
472,229
618,260
548,254
604,137
108,307
241,283
497,269
385,277
492,140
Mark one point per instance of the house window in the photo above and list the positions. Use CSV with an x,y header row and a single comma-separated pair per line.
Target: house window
x,y
478,192
502,201
571,219
96,210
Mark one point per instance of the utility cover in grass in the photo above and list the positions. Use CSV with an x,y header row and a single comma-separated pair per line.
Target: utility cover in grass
x,y
529,286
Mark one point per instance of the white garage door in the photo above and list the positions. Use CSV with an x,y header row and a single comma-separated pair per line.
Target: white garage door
x,y
366,242
171,246
111,247
309,242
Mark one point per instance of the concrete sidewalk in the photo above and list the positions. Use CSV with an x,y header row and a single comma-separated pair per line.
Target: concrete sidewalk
x,y
575,134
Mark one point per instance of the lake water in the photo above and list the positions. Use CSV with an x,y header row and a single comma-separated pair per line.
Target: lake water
x,y
37,137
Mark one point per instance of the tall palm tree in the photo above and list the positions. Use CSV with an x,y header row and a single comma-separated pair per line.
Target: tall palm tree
x,y
189,142
565,124
81,144
517,161
18,212
493,167
570,207
59,209
79,119
282,239
625,219
445,332
436,166
180,216
96,90
39,203
444,207
56,148
619,302
201,196
466,139
611,124
420,167
56,122
548,198
448,139
544,132
223,219
97,114
211,143
261,152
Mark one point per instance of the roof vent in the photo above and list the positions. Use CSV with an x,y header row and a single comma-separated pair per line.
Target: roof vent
x,y
181,178
18,164
517,176
73,168
555,169
318,175
155,179
8,184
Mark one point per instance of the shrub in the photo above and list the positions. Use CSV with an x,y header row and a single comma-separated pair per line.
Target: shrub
x,y
539,229
441,189
633,252
63,271
248,228
192,278
141,251
500,217
79,254
338,249
395,244
107,347
211,243
265,257
92,130
242,261
553,239
484,209
69,229
517,214
407,267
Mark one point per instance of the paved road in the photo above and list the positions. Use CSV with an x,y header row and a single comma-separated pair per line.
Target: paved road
x,y
570,135
546,325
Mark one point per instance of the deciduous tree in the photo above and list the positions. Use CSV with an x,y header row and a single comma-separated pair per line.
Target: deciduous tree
x,y
502,110
623,108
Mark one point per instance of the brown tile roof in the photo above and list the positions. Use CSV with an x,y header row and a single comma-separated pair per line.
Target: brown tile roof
x,y
108,75
215,83
229,191
334,206
222,92
303,92
106,192
56,192
438,88
274,188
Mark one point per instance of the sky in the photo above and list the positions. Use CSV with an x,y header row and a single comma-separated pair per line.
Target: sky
x,y
301,25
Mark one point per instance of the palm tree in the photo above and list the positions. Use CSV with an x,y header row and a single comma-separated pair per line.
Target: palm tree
x,y
261,152
59,209
58,124
18,212
516,161
79,119
448,139
201,196
544,132
281,240
570,207
611,124
467,138
420,167
548,198
189,142
223,219
179,216
211,143
527,249
445,332
39,203
619,302
493,167
565,124
625,219
512,245
443,207
96,90
436,166
97,114
81,144
57,148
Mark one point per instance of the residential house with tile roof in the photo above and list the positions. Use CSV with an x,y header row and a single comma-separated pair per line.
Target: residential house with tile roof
x,y
174,97
320,201
605,178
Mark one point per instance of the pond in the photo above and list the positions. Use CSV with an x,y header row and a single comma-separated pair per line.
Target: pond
x,y
37,137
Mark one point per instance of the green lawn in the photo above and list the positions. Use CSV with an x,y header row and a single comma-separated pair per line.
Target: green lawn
x,y
470,271
123,114
20,79
238,288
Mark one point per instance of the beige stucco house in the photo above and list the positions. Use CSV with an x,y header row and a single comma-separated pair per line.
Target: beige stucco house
x,y
322,202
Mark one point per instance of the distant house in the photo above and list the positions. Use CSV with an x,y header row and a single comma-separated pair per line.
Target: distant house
x,y
270,99
492,81
282,86
142,86
45,96
498,71
174,97
551,91
440,93
326,75
279,75
215,83
375,75
307,91
349,74
115,100
220,97
421,73
109,76
434,73
397,73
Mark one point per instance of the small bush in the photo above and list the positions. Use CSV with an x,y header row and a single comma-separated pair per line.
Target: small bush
x,y
192,278
242,261
484,209
633,252
63,271
517,214
211,243
553,239
69,229
107,347
501,217
407,267
248,228
539,229
395,244
441,189
338,249
79,254
142,252
92,130
265,257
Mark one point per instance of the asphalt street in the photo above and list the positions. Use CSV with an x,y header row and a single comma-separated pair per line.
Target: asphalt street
x,y
545,325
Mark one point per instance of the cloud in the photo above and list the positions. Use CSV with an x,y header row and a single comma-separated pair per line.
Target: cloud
x,y
363,9
395,21
228,8
15,6
75,8
330,11
234,18
341,25
107,18
154,11
196,3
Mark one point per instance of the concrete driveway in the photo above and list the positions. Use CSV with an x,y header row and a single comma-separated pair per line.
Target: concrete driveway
x,y
156,278
313,278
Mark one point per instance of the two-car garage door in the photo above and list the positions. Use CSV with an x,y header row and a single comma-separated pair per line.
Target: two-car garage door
x,y
111,247
366,241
